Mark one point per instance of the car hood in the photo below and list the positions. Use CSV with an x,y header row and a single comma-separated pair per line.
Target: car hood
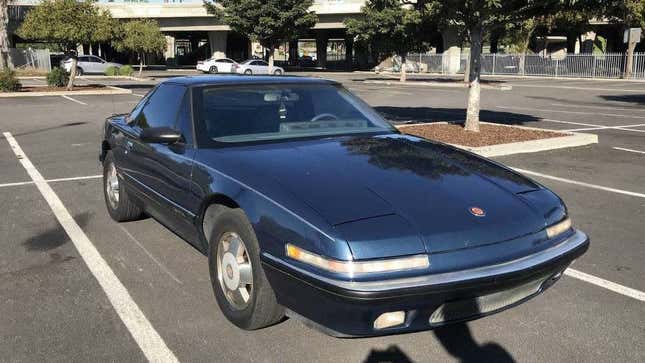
x,y
424,191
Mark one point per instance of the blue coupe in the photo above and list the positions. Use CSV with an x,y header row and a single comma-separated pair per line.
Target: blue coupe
x,y
310,205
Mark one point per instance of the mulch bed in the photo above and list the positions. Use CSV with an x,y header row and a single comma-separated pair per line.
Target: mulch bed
x,y
92,87
488,134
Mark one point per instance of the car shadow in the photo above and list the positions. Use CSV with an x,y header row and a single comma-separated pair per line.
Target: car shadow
x,y
403,115
636,99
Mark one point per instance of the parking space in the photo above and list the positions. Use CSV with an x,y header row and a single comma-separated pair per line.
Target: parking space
x,y
55,307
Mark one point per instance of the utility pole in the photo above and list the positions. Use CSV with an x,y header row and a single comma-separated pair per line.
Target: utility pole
x,y
632,37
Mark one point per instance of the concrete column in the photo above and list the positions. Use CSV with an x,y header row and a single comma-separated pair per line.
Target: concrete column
x,y
217,41
349,52
321,48
169,53
452,50
293,52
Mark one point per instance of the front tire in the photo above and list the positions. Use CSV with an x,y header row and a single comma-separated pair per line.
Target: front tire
x,y
241,288
277,72
118,201
248,72
212,70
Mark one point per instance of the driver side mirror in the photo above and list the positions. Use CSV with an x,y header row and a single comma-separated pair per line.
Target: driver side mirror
x,y
160,135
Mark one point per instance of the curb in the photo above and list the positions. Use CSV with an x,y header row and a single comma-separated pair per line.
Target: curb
x,y
573,139
111,91
438,84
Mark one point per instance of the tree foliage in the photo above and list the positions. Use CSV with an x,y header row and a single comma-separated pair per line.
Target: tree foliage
x,y
631,13
142,37
474,18
390,27
269,22
68,23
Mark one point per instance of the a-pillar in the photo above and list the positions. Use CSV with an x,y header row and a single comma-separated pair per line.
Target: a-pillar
x,y
217,41
322,39
452,50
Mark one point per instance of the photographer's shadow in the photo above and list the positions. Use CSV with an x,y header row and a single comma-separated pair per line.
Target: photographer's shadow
x,y
459,342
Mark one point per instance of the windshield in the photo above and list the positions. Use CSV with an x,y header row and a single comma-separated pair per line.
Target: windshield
x,y
281,111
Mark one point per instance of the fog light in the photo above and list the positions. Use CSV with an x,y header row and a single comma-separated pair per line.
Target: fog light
x,y
388,320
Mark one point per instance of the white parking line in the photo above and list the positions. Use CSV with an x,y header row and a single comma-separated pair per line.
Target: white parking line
x,y
588,185
149,341
52,180
579,88
74,100
612,286
621,127
598,107
570,112
136,241
629,150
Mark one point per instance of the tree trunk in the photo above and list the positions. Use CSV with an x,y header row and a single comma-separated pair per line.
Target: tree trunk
x,y
72,73
472,115
140,65
404,70
5,60
271,51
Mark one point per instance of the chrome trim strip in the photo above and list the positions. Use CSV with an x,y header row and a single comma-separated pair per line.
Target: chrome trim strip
x,y
568,245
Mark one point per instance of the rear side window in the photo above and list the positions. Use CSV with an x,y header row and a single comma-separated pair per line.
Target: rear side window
x,y
162,107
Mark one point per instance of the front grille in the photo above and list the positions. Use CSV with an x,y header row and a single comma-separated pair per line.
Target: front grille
x,y
468,308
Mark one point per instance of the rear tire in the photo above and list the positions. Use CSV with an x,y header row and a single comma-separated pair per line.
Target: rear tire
x,y
277,72
118,201
248,72
212,70
244,297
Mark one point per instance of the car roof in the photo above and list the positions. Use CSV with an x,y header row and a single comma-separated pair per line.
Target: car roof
x,y
241,80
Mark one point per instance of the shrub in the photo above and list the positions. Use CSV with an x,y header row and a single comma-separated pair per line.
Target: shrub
x,y
112,71
58,77
126,70
8,81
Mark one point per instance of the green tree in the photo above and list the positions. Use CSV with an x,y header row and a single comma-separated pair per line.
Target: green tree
x,y
631,13
269,22
390,27
476,17
67,23
142,37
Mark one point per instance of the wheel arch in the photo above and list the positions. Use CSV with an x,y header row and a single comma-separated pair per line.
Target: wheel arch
x,y
209,211
105,147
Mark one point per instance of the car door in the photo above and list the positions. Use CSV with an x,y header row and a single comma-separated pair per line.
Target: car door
x,y
83,63
260,67
98,64
163,172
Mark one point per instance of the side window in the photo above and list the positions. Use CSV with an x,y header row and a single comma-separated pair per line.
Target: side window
x,y
82,59
162,107
185,119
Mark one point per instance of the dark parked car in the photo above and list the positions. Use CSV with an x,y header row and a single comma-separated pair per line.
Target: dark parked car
x,y
308,204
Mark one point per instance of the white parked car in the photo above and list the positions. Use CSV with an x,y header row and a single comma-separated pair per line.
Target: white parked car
x,y
258,66
219,65
89,64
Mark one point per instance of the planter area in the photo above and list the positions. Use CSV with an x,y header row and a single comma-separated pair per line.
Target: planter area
x,y
496,139
41,91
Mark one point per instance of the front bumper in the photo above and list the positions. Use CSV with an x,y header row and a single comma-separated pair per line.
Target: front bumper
x,y
349,308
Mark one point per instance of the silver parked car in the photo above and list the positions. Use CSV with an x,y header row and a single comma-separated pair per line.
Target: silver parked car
x,y
257,66
89,64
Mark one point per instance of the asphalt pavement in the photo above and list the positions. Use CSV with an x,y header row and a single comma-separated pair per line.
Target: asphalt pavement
x,y
55,308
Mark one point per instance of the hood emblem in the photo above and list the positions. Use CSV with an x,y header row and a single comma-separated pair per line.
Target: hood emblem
x,y
477,212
